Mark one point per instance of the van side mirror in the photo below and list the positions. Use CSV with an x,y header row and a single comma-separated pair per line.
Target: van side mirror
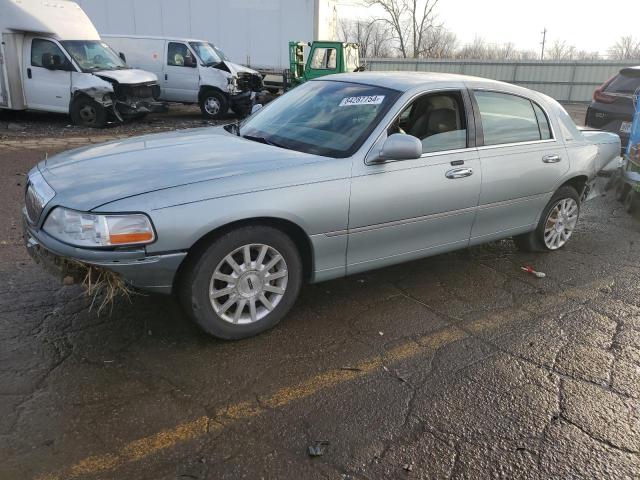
x,y
122,57
400,146
257,107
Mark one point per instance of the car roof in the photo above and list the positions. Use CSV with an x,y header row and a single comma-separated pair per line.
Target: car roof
x,y
405,81
153,37
631,71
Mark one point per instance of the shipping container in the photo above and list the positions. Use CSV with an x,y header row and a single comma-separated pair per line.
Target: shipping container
x,y
255,33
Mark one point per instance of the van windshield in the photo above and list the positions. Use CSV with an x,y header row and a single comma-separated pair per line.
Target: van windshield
x,y
93,55
207,53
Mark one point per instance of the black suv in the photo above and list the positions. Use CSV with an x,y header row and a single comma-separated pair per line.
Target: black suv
x,y
612,107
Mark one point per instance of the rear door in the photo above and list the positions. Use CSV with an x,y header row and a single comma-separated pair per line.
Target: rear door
x,y
46,86
522,162
181,80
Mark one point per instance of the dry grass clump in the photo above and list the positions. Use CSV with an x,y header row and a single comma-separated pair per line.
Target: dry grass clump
x,y
101,285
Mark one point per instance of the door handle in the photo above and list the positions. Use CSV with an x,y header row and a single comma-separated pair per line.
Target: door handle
x,y
28,72
166,77
459,173
551,158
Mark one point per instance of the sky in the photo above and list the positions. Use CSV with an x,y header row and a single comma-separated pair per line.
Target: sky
x,y
581,23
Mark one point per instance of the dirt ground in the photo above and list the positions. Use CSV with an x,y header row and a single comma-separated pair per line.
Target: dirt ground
x,y
459,366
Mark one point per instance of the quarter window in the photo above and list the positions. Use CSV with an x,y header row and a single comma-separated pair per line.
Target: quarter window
x,y
510,119
40,47
324,59
437,120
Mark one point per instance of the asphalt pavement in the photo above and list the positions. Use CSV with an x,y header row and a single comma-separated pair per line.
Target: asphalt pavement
x,y
459,366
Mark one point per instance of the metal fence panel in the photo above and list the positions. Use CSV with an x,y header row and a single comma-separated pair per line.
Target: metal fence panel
x,y
564,81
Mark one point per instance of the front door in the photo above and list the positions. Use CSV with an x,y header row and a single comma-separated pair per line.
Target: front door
x,y
47,76
409,209
522,163
181,81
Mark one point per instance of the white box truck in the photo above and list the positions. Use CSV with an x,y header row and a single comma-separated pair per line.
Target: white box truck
x,y
255,33
52,59
192,71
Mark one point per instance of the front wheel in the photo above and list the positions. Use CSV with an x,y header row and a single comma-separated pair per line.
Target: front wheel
x,y
556,225
214,104
243,283
88,113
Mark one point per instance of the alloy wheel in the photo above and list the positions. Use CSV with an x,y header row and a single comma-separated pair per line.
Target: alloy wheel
x,y
248,283
560,223
212,106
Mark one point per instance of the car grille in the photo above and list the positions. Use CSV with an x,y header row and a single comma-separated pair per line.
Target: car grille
x,y
136,91
33,204
249,81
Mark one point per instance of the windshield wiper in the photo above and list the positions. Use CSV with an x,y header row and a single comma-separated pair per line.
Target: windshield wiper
x,y
263,140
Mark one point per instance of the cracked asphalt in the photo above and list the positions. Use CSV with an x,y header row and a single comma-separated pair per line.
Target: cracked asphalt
x,y
458,366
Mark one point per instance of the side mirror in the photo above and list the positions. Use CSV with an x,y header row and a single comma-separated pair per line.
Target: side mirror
x,y
122,57
400,146
257,107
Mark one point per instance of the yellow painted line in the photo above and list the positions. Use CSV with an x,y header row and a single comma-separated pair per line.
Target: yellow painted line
x,y
225,416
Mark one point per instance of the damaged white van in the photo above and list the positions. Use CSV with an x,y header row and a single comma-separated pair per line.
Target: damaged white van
x,y
192,71
52,59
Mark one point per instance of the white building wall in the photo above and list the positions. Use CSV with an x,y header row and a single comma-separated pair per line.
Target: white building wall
x,y
254,32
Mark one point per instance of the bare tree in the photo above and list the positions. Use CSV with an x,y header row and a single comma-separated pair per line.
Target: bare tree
x,y
371,35
439,43
561,50
410,23
626,48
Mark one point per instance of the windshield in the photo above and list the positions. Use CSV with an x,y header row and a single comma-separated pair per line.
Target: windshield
x,y
326,118
207,53
92,55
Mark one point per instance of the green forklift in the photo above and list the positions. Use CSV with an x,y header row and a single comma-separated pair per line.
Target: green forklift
x,y
324,58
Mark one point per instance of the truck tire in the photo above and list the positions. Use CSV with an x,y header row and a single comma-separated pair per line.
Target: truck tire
x,y
214,104
88,113
562,212
242,283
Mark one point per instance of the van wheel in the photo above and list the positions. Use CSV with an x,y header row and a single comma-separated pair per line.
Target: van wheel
x,y
242,283
214,104
556,225
88,113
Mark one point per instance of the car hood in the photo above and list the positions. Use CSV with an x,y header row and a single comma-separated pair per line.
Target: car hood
x,y
235,68
129,76
89,177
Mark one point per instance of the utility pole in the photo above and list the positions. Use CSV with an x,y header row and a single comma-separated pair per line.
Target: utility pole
x,y
544,40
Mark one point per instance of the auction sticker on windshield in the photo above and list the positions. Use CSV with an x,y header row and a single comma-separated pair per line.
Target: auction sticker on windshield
x,y
363,100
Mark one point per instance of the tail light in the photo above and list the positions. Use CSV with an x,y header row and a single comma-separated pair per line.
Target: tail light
x,y
601,96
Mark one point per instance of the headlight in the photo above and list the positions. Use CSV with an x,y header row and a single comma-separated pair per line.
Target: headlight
x,y
233,85
89,230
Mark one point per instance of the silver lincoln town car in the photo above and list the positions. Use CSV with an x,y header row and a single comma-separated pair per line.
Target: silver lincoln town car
x,y
340,175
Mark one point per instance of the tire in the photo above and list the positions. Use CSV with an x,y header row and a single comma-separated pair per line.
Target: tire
x,y
539,240
632,202
622,189
241,287
88,113
214,104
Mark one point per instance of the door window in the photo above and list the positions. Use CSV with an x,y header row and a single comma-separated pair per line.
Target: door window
x,y
437,120
179,55
47,51
509,118
324,59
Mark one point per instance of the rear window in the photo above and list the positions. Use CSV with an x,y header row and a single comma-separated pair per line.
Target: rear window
x,y
623,84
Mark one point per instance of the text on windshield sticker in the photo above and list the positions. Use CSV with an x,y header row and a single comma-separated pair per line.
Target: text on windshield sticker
x,y
364,100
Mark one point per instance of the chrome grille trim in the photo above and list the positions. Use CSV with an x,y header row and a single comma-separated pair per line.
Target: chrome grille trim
x,y
33,204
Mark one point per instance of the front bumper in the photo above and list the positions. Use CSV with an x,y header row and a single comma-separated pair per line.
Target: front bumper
x,y
154,273
138,107
243,102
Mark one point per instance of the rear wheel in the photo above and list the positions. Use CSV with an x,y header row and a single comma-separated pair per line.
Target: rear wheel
x,y
632,202
88,113
213,104
243,283
556,225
